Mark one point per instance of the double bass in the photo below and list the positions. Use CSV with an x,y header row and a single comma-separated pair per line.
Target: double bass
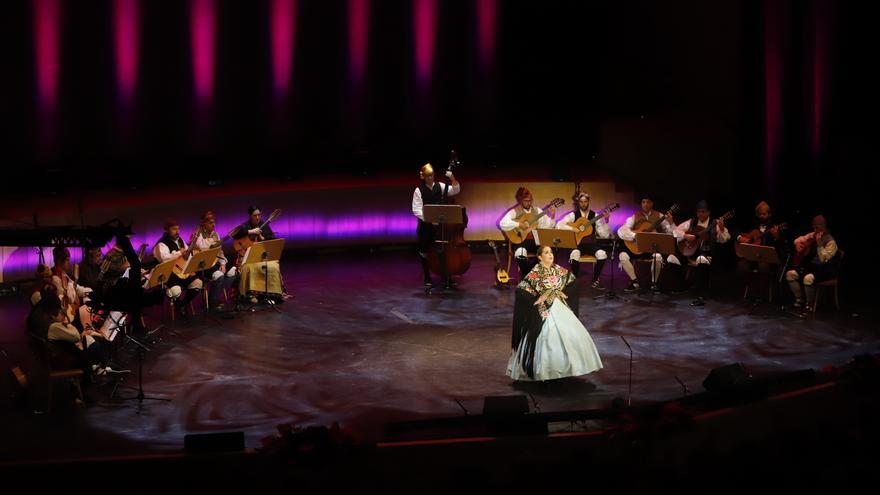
x,y
450,255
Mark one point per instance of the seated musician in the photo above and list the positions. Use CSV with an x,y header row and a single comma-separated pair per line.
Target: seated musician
x,y
169,247
815,262
90,268
588,245
252,283
44,278
218,274
525,206
430,192
625,232
68,346
766,233
69,291
701,260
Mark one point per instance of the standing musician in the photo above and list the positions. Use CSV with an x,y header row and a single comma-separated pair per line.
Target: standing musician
x,y
170,246
430,192
252,283
588,243
814,262
625,232
766,233
221,277
524,206
702,258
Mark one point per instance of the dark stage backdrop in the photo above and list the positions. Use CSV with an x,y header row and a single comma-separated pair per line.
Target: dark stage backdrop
x,y
731,100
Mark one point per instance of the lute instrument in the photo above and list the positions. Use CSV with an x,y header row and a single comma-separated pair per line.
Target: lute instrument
x,y
501,275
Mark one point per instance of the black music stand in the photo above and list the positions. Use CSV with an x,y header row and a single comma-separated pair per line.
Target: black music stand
x,y
759,253
443,215
610,293
199,262
656,243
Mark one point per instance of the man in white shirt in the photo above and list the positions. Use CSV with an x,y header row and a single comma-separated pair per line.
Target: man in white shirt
x,y
170,246
664,223
815,255
430,192
525,206
588,245
701,260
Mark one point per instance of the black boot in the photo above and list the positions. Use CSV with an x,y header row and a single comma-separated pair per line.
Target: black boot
x,y
597,272
426,271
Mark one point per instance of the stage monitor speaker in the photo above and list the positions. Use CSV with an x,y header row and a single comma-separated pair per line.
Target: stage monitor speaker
x,y
731,378
505,405
203,443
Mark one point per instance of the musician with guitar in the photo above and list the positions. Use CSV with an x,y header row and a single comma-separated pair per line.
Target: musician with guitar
x,y
813,262
519,225
221,278
430,192
766,232
589,226
699,237
253,283
170,246
644,220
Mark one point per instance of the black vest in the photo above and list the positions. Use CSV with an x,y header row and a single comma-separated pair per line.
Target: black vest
x,y
434,196
171,244
709,242
590,214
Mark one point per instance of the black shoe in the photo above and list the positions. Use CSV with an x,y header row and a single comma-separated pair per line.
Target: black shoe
x,y
451,284
596,285
698,302
632,287
655,288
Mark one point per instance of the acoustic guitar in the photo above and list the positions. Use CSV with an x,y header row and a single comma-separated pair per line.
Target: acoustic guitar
x,y
584,227
755,237
241,244
181,262
643,225
518,235
689,248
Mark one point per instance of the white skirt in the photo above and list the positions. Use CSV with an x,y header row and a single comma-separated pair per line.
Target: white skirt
x,y
564,348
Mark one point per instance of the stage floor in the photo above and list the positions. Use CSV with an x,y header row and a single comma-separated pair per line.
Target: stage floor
x,y
362,345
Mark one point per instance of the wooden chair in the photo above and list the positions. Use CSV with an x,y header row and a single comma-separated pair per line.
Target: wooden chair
x,y
73,376
588,259
832,283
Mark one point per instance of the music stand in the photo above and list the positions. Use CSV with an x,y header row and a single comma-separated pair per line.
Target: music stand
x,y
264,252
443,215
160,274
557,238
656,243
762,254
199,262
759,253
